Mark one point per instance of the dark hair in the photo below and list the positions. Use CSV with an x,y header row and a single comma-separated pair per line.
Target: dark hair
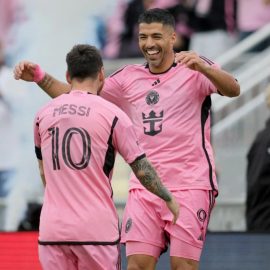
x,y
157,15
84,61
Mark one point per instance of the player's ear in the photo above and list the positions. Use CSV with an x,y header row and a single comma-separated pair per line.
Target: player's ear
x,y
68,77
101,78
173,38
102,74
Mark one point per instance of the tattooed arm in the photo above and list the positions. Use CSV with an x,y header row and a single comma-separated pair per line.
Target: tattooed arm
x,y
52,86
148,177
31,72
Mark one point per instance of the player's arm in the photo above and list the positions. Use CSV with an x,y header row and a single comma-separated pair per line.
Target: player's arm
x,y
223,81
41,171
37,143
148,177
126,143
32,72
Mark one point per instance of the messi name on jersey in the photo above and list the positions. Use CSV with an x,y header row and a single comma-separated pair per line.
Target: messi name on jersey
x,y
71,109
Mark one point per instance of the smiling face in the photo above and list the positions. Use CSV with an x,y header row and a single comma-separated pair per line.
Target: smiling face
x,y
156,43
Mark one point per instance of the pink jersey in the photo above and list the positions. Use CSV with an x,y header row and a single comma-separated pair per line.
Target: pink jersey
x,y
170,112
76,136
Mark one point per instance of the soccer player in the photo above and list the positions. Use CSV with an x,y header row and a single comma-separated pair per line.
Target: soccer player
x,y
168,100
76,138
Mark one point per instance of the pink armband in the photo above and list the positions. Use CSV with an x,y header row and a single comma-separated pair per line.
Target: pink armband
x,y
38,74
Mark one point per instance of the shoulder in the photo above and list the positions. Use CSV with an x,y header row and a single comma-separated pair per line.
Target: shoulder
x,y
107,105
113,109
127,69
43,109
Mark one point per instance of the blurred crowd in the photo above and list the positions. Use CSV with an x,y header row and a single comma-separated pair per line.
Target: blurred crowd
x,y
19,176
206,26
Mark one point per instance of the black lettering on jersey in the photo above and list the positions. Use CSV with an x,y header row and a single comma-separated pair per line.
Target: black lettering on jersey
x,y
54,132
71,109
86,148
66,149
152,120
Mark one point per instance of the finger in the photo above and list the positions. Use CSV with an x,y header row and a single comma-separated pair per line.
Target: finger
x,y
184,60
181,59
17,73
31,65
18,68
177,58
21,65
190,63
26,64
16,76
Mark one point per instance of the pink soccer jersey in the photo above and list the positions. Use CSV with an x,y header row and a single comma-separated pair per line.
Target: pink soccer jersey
x,y
76,135
170,112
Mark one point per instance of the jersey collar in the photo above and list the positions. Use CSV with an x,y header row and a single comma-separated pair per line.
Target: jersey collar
x,y
173,65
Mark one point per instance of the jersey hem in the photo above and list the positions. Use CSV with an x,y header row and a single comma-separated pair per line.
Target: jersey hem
x,y
178,188
191,243
124,241
76,243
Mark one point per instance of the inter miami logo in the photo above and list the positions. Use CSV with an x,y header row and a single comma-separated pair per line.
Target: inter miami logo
x,y
152,120
201,214
128,225
152,97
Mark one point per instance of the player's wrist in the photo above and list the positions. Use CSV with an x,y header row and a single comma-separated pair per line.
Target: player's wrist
x,y
39,74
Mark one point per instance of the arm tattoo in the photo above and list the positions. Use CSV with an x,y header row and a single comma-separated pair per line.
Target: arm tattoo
x,y
149,178
46,82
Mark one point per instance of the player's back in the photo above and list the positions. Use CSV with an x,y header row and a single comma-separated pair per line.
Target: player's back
x,y
78,156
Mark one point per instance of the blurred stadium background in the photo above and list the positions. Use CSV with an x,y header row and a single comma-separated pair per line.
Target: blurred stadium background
x,y
51,30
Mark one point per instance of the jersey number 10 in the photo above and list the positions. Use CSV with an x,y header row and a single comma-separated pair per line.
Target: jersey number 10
x,y
66,149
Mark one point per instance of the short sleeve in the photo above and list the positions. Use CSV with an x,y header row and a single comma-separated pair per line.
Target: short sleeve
x,y
125,139
112,89
207,87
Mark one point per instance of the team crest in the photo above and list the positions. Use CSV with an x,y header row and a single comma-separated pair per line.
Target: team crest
x,y
128,225
201,214
152,97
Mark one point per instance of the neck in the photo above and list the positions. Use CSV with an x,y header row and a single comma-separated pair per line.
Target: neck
x,y
86,85
164,65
